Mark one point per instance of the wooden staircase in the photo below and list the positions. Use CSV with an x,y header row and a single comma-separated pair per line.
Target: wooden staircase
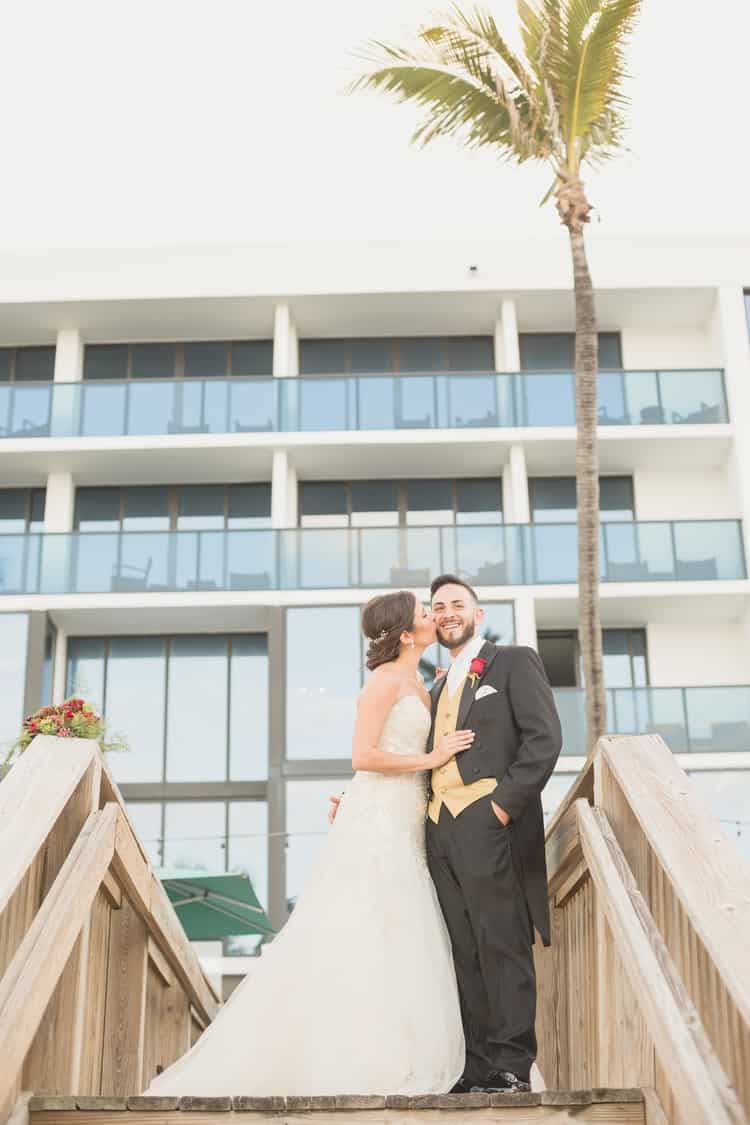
x,y
644,997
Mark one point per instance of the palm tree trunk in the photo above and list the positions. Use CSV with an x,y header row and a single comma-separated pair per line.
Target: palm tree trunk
x,y
587,490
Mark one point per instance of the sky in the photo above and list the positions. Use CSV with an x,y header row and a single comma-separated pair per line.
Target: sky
x,y
220,122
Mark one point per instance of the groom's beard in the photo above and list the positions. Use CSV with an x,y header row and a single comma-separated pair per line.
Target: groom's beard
x,y
456,640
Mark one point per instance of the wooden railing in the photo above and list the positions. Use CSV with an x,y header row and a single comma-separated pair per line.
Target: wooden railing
x,y
99,987
647,982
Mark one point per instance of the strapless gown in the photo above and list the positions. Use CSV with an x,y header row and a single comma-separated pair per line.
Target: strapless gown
x,y
357,994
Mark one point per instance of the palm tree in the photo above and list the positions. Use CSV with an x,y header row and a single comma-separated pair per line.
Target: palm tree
x,y
560,103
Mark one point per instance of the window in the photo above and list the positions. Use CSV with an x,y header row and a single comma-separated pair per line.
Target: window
x,y
624,657
21,510
200,359
27,365
553,499
192,708
400,503
202,507
380,355
555,351
727,794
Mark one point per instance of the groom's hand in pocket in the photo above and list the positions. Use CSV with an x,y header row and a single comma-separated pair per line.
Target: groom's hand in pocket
x,y
333,808
501,814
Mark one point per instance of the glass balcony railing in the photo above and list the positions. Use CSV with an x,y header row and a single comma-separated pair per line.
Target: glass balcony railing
x,y
367,557
357,402
691,720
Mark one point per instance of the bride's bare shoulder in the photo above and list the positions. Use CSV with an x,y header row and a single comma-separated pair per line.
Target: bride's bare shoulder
x,y
383,686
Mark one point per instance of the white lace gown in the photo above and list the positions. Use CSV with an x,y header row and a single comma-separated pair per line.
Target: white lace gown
x,y
357,994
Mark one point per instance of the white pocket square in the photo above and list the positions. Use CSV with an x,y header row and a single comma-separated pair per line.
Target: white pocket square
x,y
487,689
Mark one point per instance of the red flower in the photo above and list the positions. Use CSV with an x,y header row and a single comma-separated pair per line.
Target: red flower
x,y
69,714
64,733
477,666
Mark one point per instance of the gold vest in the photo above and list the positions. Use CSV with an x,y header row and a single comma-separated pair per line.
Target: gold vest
x,y
447,787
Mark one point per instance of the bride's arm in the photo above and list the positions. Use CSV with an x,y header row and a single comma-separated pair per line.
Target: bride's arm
x,y
373,707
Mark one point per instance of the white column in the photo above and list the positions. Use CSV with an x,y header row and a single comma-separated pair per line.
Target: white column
x,y
507,352
59,502
516,487
730,330
60,667
69,356
283,491
524,611
285,344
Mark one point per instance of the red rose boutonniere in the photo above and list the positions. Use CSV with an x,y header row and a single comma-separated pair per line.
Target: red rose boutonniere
x,y
476,670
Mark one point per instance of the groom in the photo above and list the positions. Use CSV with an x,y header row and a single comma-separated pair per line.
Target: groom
x,y
485,834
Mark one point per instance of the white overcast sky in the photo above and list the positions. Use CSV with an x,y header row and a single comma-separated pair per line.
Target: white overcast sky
x,y
227,121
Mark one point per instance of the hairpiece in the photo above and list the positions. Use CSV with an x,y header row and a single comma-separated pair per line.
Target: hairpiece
x,y
382,636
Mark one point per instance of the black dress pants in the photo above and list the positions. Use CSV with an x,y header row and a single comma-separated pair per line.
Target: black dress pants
x,y
479,885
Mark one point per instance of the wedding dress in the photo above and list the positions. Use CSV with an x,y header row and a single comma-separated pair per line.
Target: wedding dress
x,y
357,994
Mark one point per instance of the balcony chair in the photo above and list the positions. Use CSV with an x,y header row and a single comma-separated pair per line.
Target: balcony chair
x,y
259,581
605,420
130,583
652,416
178,428
265,428
489,419
697,569
414,423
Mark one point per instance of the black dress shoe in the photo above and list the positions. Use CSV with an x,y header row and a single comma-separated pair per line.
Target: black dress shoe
x,y
463,1086
502,1082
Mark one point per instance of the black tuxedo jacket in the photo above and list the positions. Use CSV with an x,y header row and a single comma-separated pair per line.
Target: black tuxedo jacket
x,y
518,740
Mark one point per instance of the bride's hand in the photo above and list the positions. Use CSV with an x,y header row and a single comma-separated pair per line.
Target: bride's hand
x,y
451,745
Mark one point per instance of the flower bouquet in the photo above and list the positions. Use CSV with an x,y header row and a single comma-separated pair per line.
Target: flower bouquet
x,y
72,719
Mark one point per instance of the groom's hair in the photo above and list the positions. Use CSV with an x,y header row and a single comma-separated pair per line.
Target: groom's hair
x,y
451,580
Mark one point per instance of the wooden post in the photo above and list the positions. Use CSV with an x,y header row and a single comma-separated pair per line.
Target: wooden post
x,y
125,1009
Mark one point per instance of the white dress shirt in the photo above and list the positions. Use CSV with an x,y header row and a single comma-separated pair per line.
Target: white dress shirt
x,y
460,665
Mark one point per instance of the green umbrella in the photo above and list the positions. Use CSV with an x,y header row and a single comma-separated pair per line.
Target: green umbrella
x,y
215,906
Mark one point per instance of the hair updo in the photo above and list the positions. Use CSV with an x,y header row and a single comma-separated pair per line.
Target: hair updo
x,y
384,619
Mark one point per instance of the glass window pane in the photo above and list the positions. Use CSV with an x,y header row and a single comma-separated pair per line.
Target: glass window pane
x,y
419,354
6,364
610,351
429,502
547,351
554,791
97,509
248,714
323,499
374,503
35,365
323,680
36,509
479,501
553,499
153,361
195,835
323,357
13,509
205,360
727,794
145,508
248,853
470,353
201,507
13,641
146,817
86,670
105,361
307,827
616,498
252,357
197,720
371,356
249,505
134,706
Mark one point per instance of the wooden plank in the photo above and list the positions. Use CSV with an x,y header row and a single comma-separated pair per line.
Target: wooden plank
x,y
624,1113
124,1015
32,975
655,1114
112,889
701,1088
93,1030
575,876
562,831
151,901
160,962
32,796
167,1026
546,1024
702,865
54,1058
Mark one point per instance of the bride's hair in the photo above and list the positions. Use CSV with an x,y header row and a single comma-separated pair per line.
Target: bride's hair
x,y
384,619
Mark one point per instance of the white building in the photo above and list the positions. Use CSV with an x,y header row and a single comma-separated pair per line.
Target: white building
x,y
211,459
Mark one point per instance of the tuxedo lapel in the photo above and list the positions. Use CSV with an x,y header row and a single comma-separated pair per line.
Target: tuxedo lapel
x,y
487,652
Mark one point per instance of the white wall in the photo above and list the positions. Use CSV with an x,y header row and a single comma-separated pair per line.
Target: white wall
x,y
693,653
679,494
649,348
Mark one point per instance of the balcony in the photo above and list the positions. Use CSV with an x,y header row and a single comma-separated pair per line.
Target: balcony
x,y
691,720
354,403
335,558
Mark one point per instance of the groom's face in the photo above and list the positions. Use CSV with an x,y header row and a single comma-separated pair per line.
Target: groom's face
x,y
457,615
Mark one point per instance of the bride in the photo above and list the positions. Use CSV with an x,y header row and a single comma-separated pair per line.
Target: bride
x,y
357,995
